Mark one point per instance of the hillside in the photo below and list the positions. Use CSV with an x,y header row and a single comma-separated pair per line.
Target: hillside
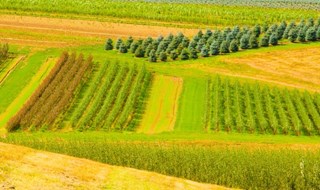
x,y
31,169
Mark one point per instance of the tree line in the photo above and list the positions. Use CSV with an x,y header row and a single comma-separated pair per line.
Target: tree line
x,y
217,42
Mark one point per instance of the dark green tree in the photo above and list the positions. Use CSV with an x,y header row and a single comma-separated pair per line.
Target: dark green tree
x,y
293,35
134,46
152,56
180,48
253,41
163,56
224,48
123,48
148,49
109,44
301,35
118,43
318,32
129,42
256,30
273,39
214,48
174,55
280,30
139,52
288,28
234,46
204,52
185,42
264,41
265,27
244,42
200,45
184,54
311,34
192,45
193,54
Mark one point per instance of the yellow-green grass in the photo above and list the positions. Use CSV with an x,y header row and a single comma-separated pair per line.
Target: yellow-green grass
x,y
9,66
192,106
22,75
23,96
160,113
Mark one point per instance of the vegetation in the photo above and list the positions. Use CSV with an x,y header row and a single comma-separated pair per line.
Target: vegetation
x,y
240,167
112,100
53,95
4,50
260,109
217,42
211,14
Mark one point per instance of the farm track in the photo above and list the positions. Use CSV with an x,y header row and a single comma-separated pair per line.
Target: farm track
x,y
31,169
10,68
163,98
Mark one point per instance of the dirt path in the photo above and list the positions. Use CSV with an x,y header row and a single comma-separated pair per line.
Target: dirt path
x,y
25,168
161,111
10,68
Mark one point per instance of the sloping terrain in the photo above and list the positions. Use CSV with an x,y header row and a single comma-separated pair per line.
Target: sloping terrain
x,y
31,169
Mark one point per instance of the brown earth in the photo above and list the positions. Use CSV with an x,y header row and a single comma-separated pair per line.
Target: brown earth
x,y
91,30
25,168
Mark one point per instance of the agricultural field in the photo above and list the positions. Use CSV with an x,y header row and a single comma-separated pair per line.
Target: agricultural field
x,y
173,95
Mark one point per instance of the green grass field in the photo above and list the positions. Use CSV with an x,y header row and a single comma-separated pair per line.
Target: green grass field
x,y
163,98
230,119
192,106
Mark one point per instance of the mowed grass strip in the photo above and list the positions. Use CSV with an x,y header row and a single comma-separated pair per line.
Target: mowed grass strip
x,y
9,67
192,110
161,108
18,102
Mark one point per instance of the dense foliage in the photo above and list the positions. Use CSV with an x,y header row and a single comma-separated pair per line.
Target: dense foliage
x,y
113,99
4,51
245,167
181,13
211,43
254,108
54,94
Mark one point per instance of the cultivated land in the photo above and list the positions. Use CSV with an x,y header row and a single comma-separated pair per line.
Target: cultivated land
x,y
31,169
229,119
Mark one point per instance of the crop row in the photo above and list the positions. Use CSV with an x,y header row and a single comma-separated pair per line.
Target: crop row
x,y
212,43
53,96
4,50
261,109
245,167
195,14
111,100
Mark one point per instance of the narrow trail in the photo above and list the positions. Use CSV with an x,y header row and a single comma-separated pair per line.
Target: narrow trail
x,y
10,68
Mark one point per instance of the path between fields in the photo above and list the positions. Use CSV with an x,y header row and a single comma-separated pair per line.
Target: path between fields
x,y
161,111
11,66
28,169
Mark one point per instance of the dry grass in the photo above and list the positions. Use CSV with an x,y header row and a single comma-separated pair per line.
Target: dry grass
x,y
300,65
25,168
92,31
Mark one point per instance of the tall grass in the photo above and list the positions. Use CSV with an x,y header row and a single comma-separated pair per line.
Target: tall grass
x,y
244,167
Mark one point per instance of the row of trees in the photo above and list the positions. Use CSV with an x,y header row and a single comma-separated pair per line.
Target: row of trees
x,y
211,43
54,95
256,108
4,51
112,98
